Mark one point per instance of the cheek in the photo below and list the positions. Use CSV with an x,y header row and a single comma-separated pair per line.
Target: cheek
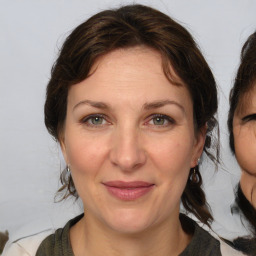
x,y
172,157
172,162
86,156
245,149
248,186
85,153
177,150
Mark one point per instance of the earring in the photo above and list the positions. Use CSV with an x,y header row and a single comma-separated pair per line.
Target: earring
x,y
65,174
194,177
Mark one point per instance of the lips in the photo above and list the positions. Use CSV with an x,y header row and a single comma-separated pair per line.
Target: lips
x,y
128,191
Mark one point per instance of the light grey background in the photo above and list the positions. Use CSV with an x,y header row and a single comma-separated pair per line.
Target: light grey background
x,y
30,161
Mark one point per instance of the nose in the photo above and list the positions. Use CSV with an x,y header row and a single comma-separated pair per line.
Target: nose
x,y
127,152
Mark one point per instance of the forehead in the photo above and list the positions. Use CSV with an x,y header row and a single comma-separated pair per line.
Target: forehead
x,y
132,66
145,58
133,74
247,101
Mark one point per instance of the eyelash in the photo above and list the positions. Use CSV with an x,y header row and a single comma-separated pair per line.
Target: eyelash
x,y
86,120
163,117
248,118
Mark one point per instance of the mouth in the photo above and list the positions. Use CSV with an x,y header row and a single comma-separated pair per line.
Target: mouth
x,y
128,191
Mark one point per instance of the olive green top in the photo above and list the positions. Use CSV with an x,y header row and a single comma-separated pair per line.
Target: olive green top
x,y
202,243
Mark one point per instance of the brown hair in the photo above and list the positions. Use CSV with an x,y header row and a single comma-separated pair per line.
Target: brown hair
x,y
126,27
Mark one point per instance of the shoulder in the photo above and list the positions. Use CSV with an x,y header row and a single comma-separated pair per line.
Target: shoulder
x,y
225,247
58,243
227,250
217,245
26,246
202,243
206,242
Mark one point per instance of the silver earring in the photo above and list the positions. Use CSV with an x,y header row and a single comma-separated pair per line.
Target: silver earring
x,y
65,173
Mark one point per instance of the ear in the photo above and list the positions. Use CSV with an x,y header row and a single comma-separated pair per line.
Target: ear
x,y
63,147
198,145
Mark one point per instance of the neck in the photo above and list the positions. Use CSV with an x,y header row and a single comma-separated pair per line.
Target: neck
x,y
166,238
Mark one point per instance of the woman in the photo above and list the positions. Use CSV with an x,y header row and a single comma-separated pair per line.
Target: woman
x,y
131,101
241,124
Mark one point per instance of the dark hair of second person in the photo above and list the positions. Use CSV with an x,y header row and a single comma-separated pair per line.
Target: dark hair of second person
x,y
240,101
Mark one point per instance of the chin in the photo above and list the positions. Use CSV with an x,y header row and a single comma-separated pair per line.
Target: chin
x,y
128,221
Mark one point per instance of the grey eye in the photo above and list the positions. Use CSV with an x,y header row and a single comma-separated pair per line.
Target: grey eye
x,y
159,120
97,120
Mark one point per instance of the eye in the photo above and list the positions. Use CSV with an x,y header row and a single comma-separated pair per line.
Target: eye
x,y
251,117
95,120
160,120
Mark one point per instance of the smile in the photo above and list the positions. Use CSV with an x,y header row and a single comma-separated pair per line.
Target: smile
x,y
128,191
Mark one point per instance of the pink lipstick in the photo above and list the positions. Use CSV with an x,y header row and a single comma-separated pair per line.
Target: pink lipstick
x,y
128,191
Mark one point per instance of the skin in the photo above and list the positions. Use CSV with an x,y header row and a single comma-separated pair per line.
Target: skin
x,y
130,144
244,129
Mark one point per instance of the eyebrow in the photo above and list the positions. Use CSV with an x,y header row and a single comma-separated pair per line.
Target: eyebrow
x,y
95,104
162,103
146,106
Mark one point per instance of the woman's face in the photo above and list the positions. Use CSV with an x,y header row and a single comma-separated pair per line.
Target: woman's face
x,y
130,141
244,130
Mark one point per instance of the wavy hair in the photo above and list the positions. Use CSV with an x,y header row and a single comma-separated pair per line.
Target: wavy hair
x,y
125,27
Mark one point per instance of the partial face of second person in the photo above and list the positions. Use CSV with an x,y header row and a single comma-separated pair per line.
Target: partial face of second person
x,y
244,130
130,141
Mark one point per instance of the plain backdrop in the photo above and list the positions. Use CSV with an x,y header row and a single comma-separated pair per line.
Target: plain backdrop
x,y
32,31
